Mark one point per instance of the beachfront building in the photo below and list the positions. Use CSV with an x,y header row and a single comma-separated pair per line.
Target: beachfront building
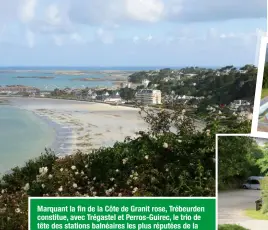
x,y
114,99
148,97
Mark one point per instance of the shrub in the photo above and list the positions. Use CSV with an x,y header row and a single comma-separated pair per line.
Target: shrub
x,y
155,163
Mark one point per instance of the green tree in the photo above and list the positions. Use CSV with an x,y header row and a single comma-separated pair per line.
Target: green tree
x,y
265,76
237,156
127,93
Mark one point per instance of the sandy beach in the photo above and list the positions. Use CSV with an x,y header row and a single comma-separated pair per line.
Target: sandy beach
x,y
83,125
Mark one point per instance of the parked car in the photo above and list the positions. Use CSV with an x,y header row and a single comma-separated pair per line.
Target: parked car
x,y
253,182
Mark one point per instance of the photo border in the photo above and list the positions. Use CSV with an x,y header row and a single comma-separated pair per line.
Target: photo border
x,y
258,89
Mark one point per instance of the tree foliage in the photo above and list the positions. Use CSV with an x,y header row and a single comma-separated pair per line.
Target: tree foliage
x,y
237,157
265,76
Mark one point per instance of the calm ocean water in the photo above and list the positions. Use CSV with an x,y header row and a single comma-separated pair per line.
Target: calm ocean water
x,y
60,81
23,136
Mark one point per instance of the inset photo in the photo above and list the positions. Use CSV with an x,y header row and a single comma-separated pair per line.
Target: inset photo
x,y
242,181
260,114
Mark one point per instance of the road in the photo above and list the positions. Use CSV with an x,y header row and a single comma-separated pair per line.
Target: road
x,y
231,205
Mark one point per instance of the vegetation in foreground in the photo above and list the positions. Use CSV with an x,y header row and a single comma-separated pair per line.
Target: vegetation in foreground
x,y
157,162
231,227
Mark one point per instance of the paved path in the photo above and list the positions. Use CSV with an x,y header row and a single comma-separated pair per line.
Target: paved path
x,y
232,204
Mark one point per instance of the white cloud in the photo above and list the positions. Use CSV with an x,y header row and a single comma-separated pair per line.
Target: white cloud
x,y
149,38
111,12
115,12
77,38
26,10
30,37
145,10
211,10
53,14
105,36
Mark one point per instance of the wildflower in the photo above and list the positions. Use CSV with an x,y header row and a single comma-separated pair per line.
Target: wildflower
x,y
179,141
167,169
86,166
17,210
131,176
183,111
119,194
43,170
61,169
82,173
94,178
74,185
117,170
135,190
125,161
115,185
208,132
43,186
94,193
146,157
73,167
165,145
50,176
76,173
109,191
220,112
135,178
60,189
26,187
112,179
3,191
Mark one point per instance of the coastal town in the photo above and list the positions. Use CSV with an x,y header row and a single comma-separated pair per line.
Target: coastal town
x,y
197,88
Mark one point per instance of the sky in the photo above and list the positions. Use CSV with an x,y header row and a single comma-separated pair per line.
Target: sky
x,y
130,32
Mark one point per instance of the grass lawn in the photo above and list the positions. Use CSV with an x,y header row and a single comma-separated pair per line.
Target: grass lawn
x,y
231,227
264,93
257,215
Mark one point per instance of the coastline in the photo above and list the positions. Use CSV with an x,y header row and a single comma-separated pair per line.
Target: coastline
x,y
82,125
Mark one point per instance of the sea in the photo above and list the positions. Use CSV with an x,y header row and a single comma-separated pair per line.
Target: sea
x,y
8,76
22,136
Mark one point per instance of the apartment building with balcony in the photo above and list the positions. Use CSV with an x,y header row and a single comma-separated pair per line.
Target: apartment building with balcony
x,y
149,97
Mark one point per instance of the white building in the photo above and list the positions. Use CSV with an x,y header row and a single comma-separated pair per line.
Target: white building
x,y
145,82
149,96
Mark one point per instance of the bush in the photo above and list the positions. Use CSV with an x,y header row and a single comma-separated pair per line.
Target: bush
x,y
264,195
231,227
